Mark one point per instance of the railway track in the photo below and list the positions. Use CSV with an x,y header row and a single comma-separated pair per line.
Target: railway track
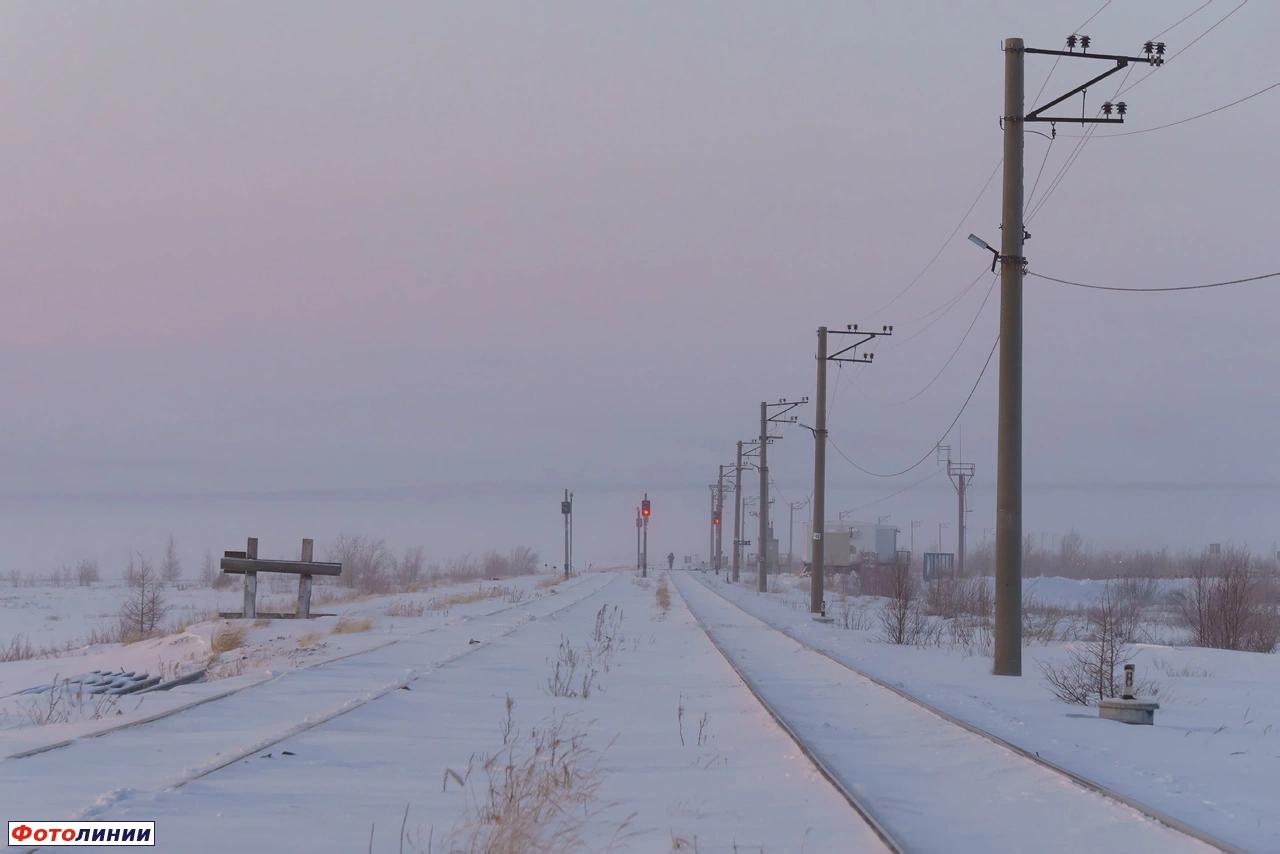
x,y
90,779
220,695
894,821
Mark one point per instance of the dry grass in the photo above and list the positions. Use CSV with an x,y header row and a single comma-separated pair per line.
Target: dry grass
x,y
663,595
227,639
261,622
536,795
18,649
309,640
405,608
444,603
323,596
352,625
549,581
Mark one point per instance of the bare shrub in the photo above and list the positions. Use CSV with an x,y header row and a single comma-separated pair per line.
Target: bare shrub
x,y
535,795
1225,604
954,597
1089,673
309,640
409,569
366,563
1040,622
142,612
352,625
227,639
852,617
902,619
87,572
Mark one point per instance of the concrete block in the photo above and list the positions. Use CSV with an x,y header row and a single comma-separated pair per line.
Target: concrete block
x,y
1140,712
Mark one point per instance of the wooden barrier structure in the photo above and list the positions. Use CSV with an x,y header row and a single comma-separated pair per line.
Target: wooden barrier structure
x,y
248,564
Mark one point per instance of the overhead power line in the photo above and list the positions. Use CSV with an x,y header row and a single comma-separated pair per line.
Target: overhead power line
x,y
914,281
1184,48
1261,91
944,435
963,339
1154,290
1178,22
909,486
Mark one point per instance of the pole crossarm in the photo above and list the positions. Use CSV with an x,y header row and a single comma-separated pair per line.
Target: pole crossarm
x,y
863,338
781,417
1121,62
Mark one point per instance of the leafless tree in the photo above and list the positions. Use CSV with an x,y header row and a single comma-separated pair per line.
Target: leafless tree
x,y
1226,604
170,565
366,563
1089,673
409,569
87,572
142,612
902,620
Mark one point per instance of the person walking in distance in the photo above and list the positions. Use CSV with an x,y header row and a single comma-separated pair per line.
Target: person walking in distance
x,y
671,560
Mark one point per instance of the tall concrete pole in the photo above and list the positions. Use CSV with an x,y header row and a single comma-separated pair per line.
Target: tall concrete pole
x,y
762,546
1008,628
818,544
962,485
737,513
719,526
711,531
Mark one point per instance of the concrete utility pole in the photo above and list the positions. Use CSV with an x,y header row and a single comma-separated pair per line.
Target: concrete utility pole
x,y
1008,616
780,417
711,531
791,533
638,539
717,518
961,475
762,545
737,512
819,527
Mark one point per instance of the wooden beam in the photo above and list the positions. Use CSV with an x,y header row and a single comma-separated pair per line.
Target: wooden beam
x,y
297,567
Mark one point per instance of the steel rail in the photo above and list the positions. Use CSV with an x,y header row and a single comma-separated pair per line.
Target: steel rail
x,y
1079,779
845,791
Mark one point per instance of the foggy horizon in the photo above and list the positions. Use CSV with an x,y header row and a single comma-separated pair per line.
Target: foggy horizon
x,y
488,253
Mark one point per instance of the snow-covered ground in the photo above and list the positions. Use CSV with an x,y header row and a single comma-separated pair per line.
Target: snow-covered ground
x,y
306,738
1211,759
266,649
907,764
332,756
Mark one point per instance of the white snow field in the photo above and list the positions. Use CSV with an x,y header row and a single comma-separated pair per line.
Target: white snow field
x,y
267,649
933,785
342,755
1212,759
